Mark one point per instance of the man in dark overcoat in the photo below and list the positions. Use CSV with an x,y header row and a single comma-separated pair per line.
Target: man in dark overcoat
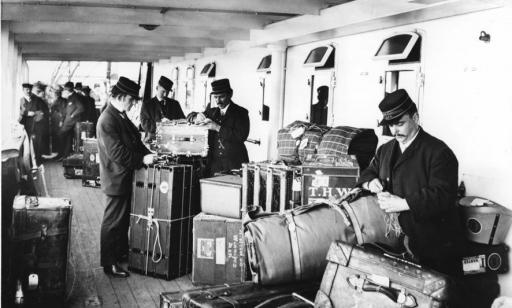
x,y
230,124
73,113
159,108
415,177
121,151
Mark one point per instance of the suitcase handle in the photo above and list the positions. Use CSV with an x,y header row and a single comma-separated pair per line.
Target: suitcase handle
x,y
400,297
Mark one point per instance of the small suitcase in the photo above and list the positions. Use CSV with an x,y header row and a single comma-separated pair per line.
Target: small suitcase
x,y
181,139
73,166
481,258
358,277
244,295
91,164
274,187
83,130
222,195
40,236
219,254
161,200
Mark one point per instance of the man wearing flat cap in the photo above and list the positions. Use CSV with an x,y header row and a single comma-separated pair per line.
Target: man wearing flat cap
x,y
159,108
415,177
121,151
230,123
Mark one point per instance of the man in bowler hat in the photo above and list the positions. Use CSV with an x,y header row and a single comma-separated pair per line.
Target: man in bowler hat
x,y
230,123
121,151
73,114
415,177
159,108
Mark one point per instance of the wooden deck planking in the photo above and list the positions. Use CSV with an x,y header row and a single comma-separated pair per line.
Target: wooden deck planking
x,y
91,287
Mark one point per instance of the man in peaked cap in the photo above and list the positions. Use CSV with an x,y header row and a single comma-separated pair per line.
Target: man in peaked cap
x,y
159,108
230,123
121,151
415,177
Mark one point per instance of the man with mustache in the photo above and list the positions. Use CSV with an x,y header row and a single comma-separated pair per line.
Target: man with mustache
x,y
415,176
230,125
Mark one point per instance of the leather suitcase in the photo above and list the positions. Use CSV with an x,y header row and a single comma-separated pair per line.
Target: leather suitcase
x,y
243,296
40,236
219,254
482,259
319,184
73,166
292,300
83,130
171,299
357,277
222,195
161,199
274,187
91,164
181,139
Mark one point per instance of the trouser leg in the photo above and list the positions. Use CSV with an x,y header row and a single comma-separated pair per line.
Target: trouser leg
x,y
114,229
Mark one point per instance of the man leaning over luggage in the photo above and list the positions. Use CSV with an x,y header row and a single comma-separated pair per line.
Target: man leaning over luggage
x,y
230,123
121,151
159,108
415,177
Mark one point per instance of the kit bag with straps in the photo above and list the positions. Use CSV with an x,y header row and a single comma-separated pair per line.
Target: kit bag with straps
x,y
292,246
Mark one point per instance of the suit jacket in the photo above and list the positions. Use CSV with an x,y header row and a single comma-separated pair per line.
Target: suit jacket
x,y
73,112
35,104
121,151
153,111
228,150
426,175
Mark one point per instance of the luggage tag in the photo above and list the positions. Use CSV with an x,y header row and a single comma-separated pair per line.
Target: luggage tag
x,y
303,143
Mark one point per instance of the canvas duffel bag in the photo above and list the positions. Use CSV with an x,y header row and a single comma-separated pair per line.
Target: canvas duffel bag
x,y
347,140
292,246
298,140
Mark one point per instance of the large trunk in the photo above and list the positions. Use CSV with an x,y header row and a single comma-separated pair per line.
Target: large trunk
x,y
181,139
161,221
83,130
40,245
222,195
91,164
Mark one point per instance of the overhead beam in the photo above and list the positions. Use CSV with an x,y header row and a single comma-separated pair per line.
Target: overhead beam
x,y
20,12
41,27
119,48
298,7
110,39
88,57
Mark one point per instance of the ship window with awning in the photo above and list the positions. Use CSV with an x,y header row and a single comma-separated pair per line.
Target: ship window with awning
x,y
265,63
401,46
320,57
208,70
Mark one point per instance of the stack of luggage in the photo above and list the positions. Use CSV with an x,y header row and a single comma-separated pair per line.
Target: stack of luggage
x,y
166,197
75,164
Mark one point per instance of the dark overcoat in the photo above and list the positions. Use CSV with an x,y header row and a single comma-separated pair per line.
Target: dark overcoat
x,y
73,111
121,151
426,175
153,111
228,150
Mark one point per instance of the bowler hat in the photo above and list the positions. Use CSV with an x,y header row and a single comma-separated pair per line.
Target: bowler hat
x,y
395,105
26,85
221,86
165,83
78,86
39,85
128,86
69,86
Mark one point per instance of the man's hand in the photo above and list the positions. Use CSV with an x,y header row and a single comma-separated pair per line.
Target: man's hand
x,y
30,113
212,125
165,120
391,203
199,118
38,116
375,186
149,159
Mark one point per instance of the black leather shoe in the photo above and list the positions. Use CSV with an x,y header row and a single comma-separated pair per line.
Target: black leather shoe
x,y
115,271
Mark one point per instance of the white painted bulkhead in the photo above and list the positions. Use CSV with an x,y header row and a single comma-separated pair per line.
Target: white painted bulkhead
x,y
466,98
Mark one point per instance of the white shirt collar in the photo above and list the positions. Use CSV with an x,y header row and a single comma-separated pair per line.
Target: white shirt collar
x,y
404,146
223,111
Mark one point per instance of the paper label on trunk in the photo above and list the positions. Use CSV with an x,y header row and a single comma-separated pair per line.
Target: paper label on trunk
x,y
220,250
205,248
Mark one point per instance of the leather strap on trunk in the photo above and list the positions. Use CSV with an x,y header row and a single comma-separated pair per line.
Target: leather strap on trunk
x,y
294,241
